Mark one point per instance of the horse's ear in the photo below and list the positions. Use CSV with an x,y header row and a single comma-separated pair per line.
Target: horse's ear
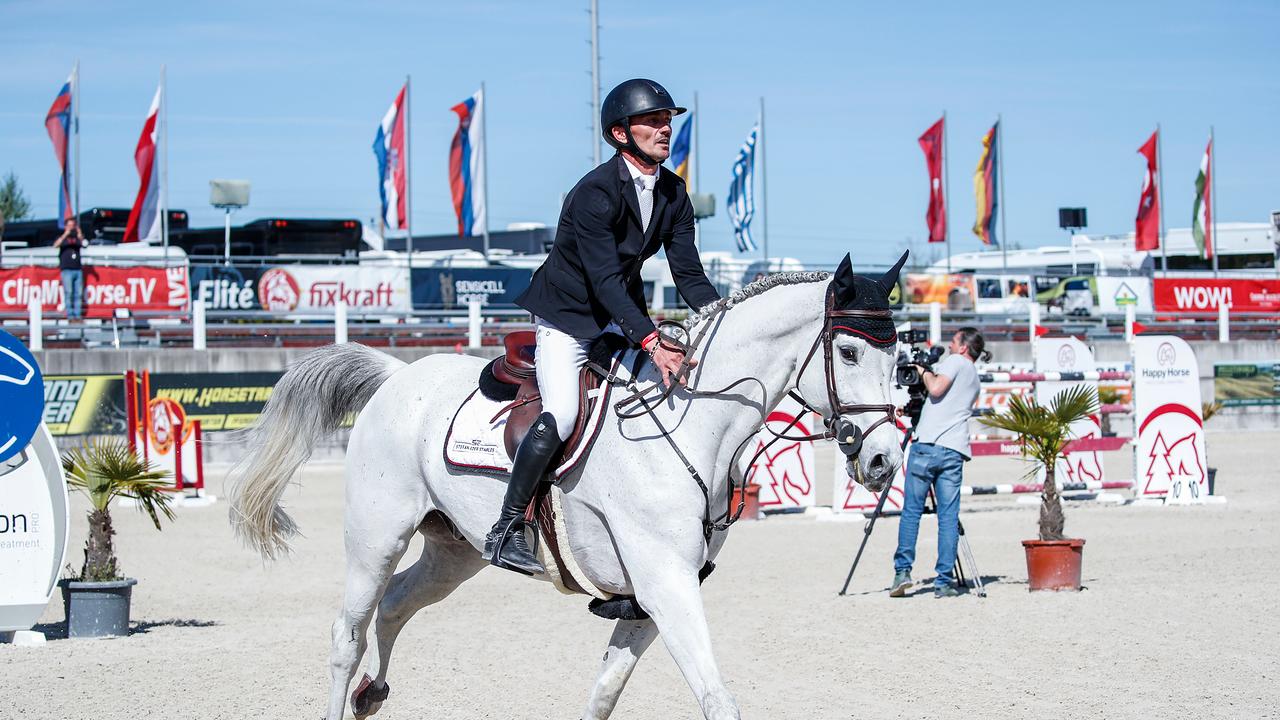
x,y
890,279
842,281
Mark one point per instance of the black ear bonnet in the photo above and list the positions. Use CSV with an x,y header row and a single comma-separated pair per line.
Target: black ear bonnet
x,y
859,292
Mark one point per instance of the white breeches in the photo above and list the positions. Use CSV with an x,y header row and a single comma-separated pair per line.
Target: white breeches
x,y
558,358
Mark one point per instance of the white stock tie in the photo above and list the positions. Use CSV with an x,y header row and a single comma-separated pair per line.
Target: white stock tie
x,y
646,199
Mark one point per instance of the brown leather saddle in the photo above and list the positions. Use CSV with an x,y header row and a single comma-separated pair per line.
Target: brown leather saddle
x,y
516,367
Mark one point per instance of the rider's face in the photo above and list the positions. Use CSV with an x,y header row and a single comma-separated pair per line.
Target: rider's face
x,y
652,132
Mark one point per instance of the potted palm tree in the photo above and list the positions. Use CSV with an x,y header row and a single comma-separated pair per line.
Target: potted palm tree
x,y
97,601
1053,561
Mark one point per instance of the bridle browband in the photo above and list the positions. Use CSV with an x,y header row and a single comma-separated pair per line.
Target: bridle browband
x,y
847,434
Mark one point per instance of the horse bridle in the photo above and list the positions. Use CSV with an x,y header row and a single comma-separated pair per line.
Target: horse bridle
x,y
846,433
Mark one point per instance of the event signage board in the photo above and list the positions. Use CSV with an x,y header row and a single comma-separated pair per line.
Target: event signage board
x,y
219,401
225,287
21,396
1169,455
1236,384
953,292
318,288
33,531
1206,294
139,289
785,471
1115,293
84,405
450,288
1067,354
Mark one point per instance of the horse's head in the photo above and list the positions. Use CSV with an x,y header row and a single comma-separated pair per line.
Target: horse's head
x,y
851,383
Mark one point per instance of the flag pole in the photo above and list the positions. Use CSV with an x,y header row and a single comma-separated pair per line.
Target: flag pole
x,y
764,187
1003,209
164,164
1213,197
946,190
408,169
1164,252
75,126
595,85
696,151
484,162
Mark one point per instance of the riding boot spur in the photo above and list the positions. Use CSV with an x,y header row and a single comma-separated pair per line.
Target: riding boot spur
x,y
505,545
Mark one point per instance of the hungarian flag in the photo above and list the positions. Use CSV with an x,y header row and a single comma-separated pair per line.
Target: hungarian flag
x,y
389,146
58,123
936,217
1148,222
1202,213
984,188
144,218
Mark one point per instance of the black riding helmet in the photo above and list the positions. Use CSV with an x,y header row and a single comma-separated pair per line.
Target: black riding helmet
x,y
633,97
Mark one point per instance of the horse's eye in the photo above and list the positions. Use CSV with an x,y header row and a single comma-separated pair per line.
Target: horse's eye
x,y
848,353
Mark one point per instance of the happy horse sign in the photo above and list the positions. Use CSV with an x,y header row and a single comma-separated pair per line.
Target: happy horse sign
x,y
1169,458
1070,355
785,471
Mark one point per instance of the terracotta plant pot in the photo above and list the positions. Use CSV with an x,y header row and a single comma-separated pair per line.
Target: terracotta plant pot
x,y
1054,564
752,509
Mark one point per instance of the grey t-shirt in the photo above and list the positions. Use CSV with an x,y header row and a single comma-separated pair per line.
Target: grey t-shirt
x,y
945,420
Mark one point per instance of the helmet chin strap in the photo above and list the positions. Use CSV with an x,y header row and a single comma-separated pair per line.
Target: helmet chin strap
x,y
634,148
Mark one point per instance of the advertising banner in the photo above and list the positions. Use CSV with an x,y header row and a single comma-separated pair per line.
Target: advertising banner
x,y
317,288
1206,294
33,531
1117,293
220,401
1236,384
85,405
450,288
954,292
137,288
227,287
1169,456
785,471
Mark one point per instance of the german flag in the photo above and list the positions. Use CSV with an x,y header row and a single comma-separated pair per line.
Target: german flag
x,y
984,188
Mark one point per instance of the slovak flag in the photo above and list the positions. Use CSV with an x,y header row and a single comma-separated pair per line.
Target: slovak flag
x,y
466,166
144,218
59,125
390,147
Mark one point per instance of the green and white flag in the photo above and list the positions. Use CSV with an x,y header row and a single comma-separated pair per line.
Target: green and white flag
x,y
1202,212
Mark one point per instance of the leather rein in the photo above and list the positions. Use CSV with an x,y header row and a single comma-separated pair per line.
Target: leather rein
x,y
846,433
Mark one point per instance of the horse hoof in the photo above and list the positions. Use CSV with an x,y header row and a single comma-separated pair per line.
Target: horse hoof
x,y
367,700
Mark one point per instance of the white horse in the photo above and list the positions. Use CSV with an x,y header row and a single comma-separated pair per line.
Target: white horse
x,y
635,517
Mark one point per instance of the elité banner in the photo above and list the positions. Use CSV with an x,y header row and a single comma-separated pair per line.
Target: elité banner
x,y
1206,294
138,288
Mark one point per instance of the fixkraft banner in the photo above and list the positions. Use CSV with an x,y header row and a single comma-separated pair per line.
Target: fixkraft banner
x,y
318,288
1207,294
136,288
1169,456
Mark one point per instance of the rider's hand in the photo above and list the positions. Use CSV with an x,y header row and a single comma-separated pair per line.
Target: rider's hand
x,y
669,362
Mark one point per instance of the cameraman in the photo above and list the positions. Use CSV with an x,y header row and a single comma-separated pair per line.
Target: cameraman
x,y
937,459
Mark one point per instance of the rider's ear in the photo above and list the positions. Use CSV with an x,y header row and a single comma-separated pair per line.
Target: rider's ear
x,y
890,279
842,281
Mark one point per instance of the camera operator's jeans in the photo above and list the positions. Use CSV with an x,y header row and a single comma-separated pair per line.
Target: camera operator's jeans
x,y
941,468
73,293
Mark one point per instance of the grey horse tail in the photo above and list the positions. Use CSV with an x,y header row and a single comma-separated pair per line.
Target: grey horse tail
x,y
309,403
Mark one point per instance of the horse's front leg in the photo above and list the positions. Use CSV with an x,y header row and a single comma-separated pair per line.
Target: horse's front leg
x,y
667,588
629,641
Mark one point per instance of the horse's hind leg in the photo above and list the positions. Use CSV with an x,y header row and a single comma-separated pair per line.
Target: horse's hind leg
x,y
374,546
629,641
446,563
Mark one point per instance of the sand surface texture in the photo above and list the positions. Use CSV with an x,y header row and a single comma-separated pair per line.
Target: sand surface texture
x,y
1178,620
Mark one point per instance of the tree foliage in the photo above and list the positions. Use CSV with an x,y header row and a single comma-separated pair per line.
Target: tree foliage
x,y
14,204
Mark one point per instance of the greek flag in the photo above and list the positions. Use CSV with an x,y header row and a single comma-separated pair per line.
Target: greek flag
x,y
742,199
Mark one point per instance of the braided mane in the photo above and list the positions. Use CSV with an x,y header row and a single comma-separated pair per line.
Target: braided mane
x,y
768,282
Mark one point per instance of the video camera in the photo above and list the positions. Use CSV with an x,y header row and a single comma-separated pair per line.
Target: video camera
x,y
907,375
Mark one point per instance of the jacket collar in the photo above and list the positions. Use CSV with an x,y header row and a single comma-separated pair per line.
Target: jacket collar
x,y
661,192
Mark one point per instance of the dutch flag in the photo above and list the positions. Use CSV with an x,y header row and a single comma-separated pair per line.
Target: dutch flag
x,y
393,164
466,166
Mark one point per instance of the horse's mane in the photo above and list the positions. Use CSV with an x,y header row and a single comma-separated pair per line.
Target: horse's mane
x,y
768,282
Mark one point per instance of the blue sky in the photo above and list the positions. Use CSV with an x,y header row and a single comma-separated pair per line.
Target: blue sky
x,y
288,96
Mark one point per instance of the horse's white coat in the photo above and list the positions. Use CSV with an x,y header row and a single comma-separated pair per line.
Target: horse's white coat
x,y
633,512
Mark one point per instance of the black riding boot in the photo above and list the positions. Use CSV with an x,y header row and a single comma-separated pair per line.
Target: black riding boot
x,y
505,545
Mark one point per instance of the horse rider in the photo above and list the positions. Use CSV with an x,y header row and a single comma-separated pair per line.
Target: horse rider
x,y
616,217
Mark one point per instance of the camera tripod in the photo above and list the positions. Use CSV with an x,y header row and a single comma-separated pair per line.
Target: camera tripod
x,y
965,551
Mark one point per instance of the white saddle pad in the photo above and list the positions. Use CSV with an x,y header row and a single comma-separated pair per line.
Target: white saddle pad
x,y
475,441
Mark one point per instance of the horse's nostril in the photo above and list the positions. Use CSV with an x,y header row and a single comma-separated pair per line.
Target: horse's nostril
x,y
879,466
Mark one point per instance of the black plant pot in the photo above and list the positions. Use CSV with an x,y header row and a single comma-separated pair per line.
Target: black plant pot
x,y
97,609
1213,474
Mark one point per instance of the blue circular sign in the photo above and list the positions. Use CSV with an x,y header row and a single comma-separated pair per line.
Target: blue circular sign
x,y
21,396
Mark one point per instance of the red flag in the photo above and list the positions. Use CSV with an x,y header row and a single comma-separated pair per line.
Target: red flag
x,y
1138,327
144,219
931,143
1148,224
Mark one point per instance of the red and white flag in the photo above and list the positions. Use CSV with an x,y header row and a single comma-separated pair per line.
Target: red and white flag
x,y
144,218
936,217
1148,222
